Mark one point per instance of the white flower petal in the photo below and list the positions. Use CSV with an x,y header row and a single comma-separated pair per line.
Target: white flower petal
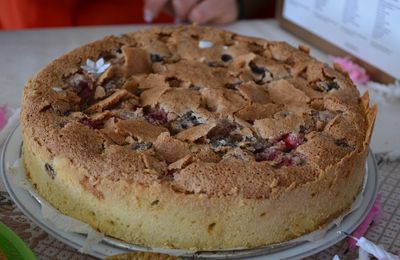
x,y
203,44
103,68
90,63
95,68
99,63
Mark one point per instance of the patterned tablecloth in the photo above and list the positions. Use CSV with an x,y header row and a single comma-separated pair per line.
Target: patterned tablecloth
x,y
385,232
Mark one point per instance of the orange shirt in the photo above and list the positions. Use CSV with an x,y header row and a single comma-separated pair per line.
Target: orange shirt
x,y
20,14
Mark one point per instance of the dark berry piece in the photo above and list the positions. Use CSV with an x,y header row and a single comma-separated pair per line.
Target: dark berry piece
x,y
191,118
224,134
332,85
342,143
83,87
91,123
223,130
80,85
259,146
255,69
50,171
216,143
141,146
154,57
324,86
86,95
128,114
174,82
226,57
187,120
234,84
259,72
303,129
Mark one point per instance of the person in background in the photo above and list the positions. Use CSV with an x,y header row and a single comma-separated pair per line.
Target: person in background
x,y
23,14
209,11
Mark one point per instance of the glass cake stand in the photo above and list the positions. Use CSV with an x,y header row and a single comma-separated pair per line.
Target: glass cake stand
x,y
29,202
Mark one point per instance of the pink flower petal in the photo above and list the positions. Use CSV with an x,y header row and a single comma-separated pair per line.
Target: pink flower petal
x,y
357,74
373,215
3,117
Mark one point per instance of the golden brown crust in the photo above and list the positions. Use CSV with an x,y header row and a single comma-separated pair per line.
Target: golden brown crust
x,y
164,93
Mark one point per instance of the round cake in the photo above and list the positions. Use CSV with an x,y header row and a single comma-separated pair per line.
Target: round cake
x,y
195,138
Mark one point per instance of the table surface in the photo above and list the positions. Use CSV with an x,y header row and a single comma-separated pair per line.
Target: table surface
x,y
24,52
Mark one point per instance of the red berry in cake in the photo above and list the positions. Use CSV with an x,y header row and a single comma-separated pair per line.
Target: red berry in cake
x,y
156,116
86,93
281,151
83,87
292,141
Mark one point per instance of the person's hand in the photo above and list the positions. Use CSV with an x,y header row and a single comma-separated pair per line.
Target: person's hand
x,y
198,11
